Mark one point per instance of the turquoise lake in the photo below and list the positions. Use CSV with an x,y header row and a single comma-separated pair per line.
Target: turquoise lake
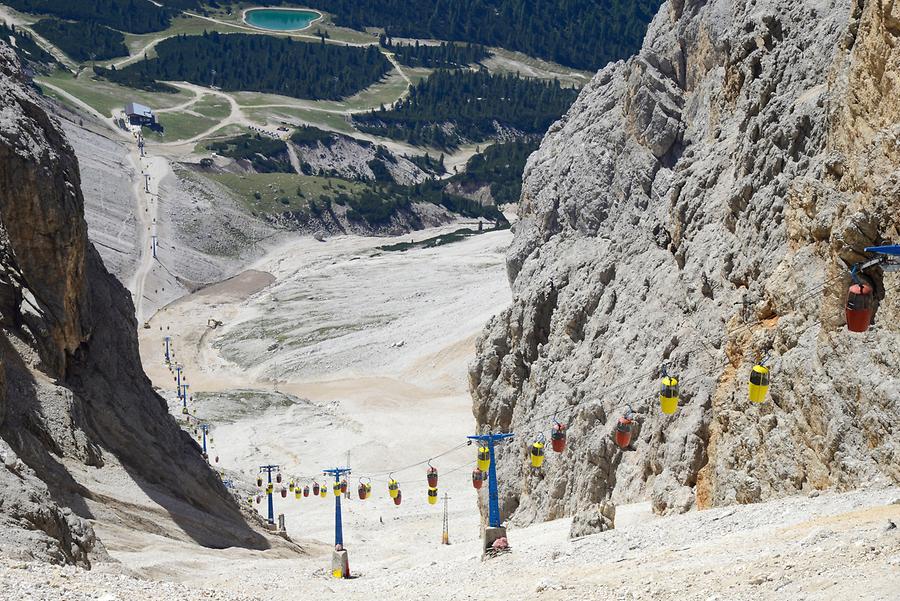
x,y
280,19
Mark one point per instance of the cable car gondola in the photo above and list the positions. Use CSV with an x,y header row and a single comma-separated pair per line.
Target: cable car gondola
x,y
315,488
323,491
558,437
431,475
337,489
398,498
432,495
259,481
484,458
668,393
361,491
306,491
344,486
861,300
291,486
278,477
860,303
283,492
759,382
477,478
623,429
393,488
298,494
537,452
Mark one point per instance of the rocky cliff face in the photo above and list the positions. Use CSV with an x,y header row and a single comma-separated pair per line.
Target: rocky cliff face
x,y
695,208
72,392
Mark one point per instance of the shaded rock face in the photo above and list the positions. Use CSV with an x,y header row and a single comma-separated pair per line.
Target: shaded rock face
x,y
695,208
72,387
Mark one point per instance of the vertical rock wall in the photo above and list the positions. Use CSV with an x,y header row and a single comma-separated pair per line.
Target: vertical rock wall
x,y
73,389
696,208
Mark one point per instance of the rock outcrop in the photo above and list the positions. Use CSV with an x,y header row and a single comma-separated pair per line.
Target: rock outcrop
x,y
697,207
73,394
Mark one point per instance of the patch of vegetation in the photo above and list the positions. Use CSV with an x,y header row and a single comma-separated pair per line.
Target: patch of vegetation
x,y
25,47
585,34
377,203
474,103
301,198
501,167
83,41
380,171
133,16
308,135
428,163
262,193
441,240
442,56
109,98
134,79
265,154
264,63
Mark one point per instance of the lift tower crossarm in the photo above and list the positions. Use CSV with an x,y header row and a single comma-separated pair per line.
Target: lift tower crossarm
x,y
889,257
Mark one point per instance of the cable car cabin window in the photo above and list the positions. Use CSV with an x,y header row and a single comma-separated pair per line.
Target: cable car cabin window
x,y
668,391
759,378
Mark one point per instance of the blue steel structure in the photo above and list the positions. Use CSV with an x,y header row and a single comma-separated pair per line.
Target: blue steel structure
x,y
493,497
205,429
183,395
269,469
888,259
178,369
337,472
167,339
891,249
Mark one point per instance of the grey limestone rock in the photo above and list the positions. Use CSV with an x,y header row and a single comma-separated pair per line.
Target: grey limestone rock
x,y
697,207
72,389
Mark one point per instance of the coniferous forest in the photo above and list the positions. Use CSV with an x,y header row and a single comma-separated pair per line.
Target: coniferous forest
x,y
83,40
265,154
25,47
441,56
262,63
585,34
474,104
500,166
134,16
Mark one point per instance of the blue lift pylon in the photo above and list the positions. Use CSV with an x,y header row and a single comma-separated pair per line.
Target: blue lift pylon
x,y
340,564
178,369
204,428
269,469
493,497
167,340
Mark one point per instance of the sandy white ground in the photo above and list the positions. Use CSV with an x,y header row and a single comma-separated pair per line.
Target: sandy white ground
x,y
368,351
835,546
